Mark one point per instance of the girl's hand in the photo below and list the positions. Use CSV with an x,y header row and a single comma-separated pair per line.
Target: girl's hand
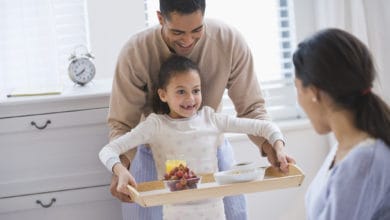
x,y
124,179
277,156
282,157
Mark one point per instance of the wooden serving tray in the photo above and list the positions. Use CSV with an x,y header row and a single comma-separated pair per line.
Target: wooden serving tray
x,y
154,193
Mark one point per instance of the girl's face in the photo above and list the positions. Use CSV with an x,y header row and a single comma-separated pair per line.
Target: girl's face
x,y
182,94
314,106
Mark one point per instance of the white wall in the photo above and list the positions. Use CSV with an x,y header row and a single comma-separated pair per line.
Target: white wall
x,y
111,23
304,18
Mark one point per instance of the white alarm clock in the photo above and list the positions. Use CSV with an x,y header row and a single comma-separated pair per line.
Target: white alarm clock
x,y
81,68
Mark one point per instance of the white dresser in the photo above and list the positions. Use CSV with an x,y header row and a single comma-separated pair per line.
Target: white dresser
x,y
49,165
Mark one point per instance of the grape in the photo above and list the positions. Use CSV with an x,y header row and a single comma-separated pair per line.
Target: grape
x,y
180,178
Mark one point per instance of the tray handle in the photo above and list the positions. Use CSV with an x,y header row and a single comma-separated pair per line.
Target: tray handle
x,y
134,194
275,172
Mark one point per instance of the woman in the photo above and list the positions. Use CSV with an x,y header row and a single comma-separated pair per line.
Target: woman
x,y
334,76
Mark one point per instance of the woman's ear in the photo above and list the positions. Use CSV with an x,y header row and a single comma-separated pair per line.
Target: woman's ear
x,y
162,94
315,93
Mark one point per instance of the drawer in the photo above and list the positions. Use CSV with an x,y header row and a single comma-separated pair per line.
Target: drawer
x,y
48,122
89,203
63,155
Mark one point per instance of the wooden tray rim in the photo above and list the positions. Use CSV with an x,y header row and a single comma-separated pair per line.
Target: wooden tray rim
x,y
154,193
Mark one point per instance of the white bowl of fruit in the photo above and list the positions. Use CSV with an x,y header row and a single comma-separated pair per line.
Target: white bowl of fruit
x,y
181,178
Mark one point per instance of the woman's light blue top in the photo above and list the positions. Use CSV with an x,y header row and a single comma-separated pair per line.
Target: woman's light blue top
x,y
358,187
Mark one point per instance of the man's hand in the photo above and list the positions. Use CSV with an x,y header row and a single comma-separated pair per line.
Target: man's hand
x,y
114,192
277,156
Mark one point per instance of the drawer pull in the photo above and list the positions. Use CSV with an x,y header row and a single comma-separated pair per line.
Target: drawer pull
x,y
40,127
47,205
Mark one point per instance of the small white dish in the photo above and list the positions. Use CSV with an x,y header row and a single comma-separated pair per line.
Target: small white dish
x,y
237,176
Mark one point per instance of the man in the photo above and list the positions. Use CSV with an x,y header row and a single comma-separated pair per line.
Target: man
x,y
225,62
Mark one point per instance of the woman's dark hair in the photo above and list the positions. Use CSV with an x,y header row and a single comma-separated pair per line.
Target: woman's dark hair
x,y
181,7
173,66
341,65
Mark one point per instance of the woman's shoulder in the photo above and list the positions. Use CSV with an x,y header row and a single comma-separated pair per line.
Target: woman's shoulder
x,y
382,148
382,156
371,160
376,149
363,177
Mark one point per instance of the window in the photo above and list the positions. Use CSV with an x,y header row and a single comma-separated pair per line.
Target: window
x,y
36,40
268,28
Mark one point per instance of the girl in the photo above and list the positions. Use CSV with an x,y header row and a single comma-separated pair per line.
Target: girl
x,y
334,75
182,127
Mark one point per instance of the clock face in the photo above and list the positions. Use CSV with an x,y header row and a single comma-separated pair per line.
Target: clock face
x,y
81,70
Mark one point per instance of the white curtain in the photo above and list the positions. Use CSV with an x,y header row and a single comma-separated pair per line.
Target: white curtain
x,y
369,20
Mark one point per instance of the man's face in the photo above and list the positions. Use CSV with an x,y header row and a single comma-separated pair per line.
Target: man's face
x,y
182,32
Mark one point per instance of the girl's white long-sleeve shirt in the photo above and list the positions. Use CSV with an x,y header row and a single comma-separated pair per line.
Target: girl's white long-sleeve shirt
x,y
193,139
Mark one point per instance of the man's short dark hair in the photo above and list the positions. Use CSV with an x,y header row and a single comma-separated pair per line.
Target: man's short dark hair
x,y
181,6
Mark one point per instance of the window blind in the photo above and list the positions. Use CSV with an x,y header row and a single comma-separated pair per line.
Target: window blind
x,y
279,94
36,40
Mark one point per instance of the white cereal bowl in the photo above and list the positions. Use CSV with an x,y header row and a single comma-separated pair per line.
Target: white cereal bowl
x,y
237,176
